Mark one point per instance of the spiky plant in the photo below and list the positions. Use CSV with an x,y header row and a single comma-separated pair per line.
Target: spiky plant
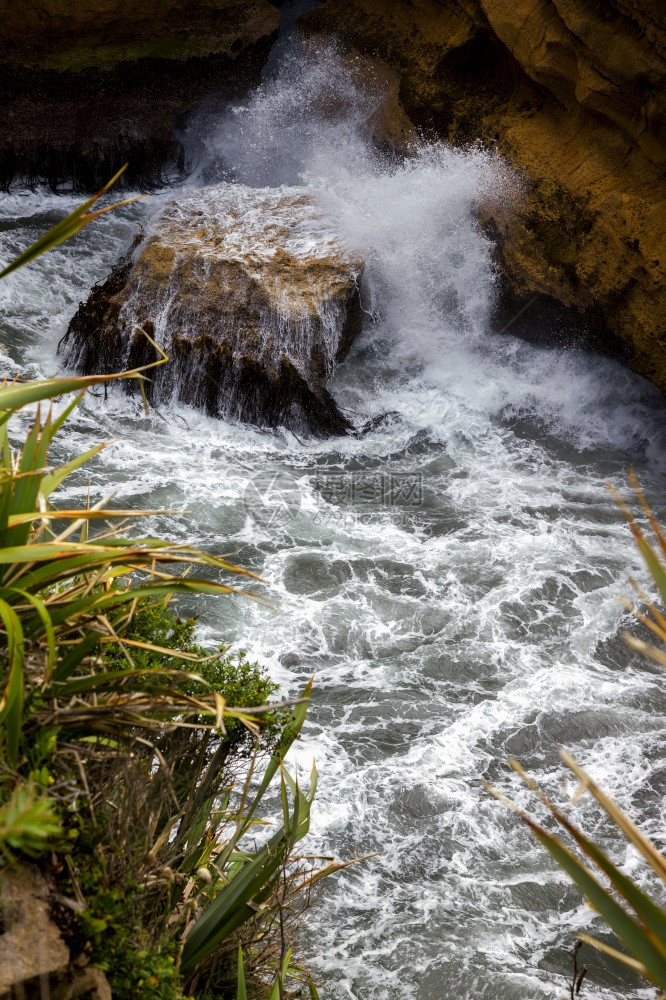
x,y
90,744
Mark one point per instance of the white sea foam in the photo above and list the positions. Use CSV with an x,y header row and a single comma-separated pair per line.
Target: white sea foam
x,y
445,631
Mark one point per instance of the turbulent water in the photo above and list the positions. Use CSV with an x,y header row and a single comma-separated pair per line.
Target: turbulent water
x,y
449,575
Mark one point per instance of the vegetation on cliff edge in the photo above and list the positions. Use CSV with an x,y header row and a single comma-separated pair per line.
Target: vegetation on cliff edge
x,y
133,761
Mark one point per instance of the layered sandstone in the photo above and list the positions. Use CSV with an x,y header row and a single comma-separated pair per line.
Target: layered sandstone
x,y
574,93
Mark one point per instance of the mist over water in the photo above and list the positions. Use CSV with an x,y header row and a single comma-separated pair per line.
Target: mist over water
x,y
449,575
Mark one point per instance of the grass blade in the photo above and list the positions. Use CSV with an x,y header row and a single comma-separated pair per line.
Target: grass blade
x,y
630,830
241,992
619,956
629,931
652,915
69,226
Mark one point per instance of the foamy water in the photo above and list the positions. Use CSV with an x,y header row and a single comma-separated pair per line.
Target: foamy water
x,y
449,576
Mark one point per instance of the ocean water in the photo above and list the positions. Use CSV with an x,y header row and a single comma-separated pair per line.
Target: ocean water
x,y
449,575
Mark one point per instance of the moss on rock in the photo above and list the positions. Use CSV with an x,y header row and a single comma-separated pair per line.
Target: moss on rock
x,y
87,87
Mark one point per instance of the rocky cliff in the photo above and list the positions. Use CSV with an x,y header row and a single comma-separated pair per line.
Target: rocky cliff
x,y
574,93
85,87
60,35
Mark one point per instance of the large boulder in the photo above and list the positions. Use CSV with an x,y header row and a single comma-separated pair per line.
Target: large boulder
x,y
574,94
249,293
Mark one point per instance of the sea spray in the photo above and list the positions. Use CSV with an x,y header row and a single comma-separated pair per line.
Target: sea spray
x,y
449,576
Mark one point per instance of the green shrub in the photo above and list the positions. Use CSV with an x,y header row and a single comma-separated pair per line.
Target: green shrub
x,y
127,758
135,966
241,682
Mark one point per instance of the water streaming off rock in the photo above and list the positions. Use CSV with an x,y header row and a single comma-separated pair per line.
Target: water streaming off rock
x,y
248,292
449,576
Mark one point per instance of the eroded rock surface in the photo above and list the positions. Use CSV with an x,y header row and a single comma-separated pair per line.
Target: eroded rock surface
x,y
60,35
574,94
86,87
250,294
30,945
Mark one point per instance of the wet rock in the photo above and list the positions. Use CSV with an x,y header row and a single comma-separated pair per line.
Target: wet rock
x,y
30,945
290,659
249,293
85,88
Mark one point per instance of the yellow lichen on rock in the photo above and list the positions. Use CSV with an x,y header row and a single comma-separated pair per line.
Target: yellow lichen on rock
x,y
231,252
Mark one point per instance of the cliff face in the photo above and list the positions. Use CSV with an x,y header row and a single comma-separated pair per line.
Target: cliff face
x,y
85,87
61,35
574,93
